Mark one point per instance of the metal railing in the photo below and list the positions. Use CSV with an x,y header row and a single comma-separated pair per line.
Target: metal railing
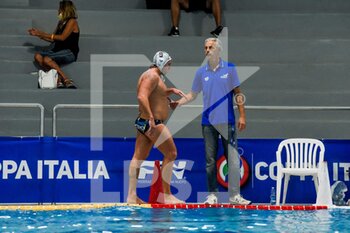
x,y
132,106
129,106
83,106
28,105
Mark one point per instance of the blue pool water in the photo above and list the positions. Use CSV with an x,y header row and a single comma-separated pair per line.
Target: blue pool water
x,y
132,219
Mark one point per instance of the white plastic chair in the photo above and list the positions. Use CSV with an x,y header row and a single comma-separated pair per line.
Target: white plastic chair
x,y
298,157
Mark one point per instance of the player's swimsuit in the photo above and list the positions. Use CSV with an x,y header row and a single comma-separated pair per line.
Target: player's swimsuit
x,y
142,125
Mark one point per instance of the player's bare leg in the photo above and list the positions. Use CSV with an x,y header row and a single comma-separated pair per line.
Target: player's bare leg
x,y
142,148
168,149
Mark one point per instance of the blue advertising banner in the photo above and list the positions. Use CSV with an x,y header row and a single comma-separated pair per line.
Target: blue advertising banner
x,y
57,170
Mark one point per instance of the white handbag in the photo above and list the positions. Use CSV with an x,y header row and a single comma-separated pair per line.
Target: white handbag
x,y
48,80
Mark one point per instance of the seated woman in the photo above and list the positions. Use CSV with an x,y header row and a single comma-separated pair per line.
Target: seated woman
x,y
66,43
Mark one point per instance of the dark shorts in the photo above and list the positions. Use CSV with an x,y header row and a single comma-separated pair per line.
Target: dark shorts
x,y
198,5
60,57
142,125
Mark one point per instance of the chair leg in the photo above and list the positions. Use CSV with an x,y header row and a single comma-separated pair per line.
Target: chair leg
x,y
278,187
316,182
285,188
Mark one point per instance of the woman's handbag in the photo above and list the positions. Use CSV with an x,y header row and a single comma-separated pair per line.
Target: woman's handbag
x,y
48,80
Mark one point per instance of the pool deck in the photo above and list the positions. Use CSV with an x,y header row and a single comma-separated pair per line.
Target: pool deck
x,y
79,206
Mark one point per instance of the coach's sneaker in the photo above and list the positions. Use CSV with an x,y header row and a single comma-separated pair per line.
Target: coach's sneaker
x,y
211,199
239,200
174,32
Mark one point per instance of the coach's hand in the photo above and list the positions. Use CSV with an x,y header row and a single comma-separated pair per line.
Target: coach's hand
x,y
173,104
241,124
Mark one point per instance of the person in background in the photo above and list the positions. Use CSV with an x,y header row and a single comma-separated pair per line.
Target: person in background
x,y
153,99
209,6
219,83
65,41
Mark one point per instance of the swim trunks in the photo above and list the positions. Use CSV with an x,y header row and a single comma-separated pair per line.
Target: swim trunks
x,y
142,125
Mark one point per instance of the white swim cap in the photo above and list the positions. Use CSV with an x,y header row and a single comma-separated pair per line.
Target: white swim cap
x,y
160,59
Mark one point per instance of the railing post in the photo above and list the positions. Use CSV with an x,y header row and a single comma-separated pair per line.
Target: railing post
x,y
29,105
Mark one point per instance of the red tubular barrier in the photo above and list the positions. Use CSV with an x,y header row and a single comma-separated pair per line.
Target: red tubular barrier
x,y
156,193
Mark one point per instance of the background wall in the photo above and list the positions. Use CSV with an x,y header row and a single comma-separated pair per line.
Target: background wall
x,y
53,170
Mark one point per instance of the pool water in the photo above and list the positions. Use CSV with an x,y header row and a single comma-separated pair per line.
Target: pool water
x,y
134,219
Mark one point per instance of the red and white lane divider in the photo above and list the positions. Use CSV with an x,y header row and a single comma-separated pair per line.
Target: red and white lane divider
x,y
244,207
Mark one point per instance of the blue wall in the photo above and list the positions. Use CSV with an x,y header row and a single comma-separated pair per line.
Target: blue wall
x,y
36,170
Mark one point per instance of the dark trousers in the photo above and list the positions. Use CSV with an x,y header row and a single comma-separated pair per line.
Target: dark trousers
x,y
211,135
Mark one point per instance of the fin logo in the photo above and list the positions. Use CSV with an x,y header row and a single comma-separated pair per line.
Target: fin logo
x,y
222,174
147,168
225,76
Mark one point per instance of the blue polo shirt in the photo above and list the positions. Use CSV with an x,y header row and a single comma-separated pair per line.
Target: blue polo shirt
x,y
217,87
